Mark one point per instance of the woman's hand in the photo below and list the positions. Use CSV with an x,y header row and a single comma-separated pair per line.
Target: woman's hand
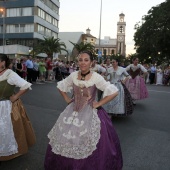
x,y
95,104
68,100
123,81
13,98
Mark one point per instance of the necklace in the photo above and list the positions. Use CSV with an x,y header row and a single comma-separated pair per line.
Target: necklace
x,y
2,70
84,75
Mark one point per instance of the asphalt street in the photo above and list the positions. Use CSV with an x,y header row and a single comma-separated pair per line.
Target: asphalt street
x,y
144,136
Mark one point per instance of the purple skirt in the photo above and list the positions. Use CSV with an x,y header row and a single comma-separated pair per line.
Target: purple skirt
x,y
137,88
107,156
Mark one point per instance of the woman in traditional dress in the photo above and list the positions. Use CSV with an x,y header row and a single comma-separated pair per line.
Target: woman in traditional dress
x,y
136,85
83,137
159,76
16,133
122,105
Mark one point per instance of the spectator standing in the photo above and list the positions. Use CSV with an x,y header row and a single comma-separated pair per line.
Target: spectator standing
x,y
35,70
166,76
29,65
42,70
152,73
159,76
24,68
50,69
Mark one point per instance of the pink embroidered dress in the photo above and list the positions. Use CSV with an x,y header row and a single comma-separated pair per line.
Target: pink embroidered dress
x,y
136,85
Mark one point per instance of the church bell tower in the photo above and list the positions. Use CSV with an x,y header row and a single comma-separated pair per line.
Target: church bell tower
x,y
121,25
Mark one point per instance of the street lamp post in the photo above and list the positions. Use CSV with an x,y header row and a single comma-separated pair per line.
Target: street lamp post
x,y
3,13
100,30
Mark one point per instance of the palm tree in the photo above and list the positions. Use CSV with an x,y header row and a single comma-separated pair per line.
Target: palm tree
x,y
49,46
83,47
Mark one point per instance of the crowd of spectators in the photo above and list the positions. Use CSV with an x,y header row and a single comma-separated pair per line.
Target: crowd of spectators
x,y
45,69
42,70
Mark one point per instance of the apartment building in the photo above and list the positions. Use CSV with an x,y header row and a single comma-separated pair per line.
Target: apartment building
x,y
26,22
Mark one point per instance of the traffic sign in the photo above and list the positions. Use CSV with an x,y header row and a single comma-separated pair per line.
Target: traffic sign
x,y
99,54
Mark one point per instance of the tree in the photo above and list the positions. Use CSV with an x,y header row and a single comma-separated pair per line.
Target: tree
x,y
152,36
49,46
83,47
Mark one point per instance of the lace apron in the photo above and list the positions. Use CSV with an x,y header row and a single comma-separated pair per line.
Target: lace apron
x,y
77,130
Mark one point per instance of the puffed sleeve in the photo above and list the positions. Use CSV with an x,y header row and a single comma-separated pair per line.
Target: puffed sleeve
x,y
143,68
125,73
105,86
66,85
15,79
128,67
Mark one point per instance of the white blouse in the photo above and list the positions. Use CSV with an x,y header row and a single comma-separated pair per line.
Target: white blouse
x,y
66,85
14,79
134,68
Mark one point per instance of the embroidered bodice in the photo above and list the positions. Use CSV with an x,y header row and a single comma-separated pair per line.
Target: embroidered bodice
x,y
83,96
134,73
135,70
6,90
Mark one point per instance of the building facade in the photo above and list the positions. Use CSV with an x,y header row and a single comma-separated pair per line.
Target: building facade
x,y
26,22
117,46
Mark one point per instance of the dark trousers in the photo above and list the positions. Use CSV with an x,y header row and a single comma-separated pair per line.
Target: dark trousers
x,y
29,75
152,78
35,75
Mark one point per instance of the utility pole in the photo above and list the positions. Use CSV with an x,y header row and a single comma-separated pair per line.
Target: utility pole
x,y
100,52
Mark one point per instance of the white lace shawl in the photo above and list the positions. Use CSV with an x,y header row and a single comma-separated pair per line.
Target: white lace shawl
x,y
66,85
14,79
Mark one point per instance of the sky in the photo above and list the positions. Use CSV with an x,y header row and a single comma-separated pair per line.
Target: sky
x,y
78,15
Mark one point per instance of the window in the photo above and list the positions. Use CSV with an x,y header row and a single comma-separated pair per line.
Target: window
x,y
51,5
104,51
17,28
27,11
55,22
48,18
29,28
55,35
15,12
1,28
121,29
22,26
41,13
48,32
10,29
41,29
